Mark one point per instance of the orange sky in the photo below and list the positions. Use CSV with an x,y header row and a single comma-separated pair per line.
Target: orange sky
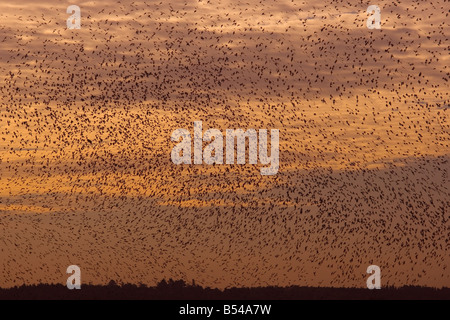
x,y
86,117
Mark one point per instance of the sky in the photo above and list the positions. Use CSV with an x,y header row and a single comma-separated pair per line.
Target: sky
x,y
86,117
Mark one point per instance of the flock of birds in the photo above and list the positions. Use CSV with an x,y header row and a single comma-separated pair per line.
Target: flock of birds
x,y
86,117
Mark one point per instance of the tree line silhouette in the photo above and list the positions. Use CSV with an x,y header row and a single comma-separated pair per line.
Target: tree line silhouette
x,y
180,290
